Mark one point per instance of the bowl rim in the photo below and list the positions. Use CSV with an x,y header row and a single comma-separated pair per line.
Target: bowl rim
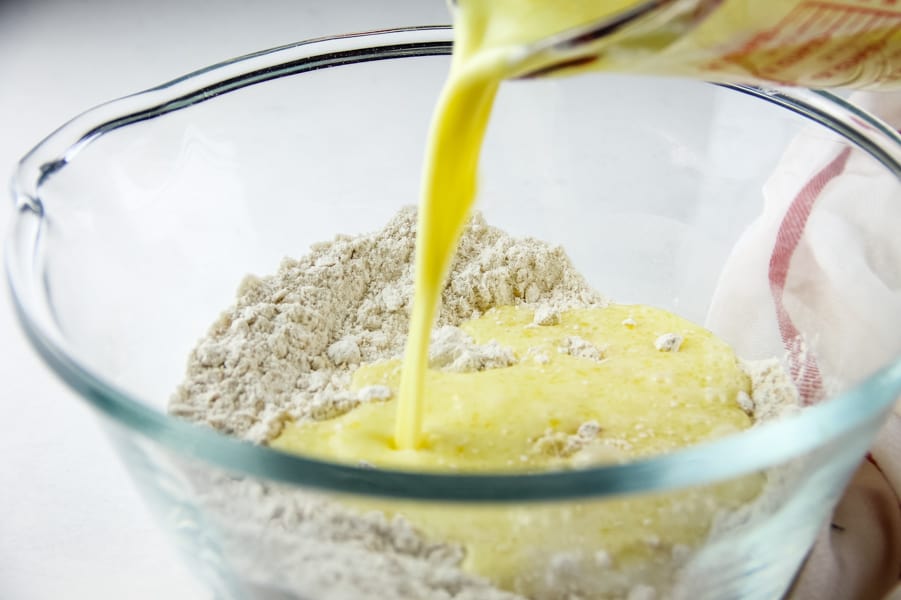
x,y
859,409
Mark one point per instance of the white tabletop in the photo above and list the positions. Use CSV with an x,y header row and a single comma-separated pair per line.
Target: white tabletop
x,y
71,524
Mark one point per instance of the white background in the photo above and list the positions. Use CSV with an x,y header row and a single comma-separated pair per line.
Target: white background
x,y
71,525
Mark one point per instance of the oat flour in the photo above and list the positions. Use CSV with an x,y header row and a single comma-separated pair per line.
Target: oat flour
x,y
286,351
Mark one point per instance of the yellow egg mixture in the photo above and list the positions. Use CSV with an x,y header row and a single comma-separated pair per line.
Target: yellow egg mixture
x,y
526,417
551,409
636,400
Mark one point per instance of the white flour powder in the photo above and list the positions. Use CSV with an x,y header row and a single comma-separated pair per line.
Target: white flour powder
x,y
286,350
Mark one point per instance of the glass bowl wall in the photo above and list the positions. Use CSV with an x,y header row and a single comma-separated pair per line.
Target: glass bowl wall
x,y
137,220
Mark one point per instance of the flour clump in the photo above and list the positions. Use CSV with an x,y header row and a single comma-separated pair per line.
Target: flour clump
x,y
452,349
581,348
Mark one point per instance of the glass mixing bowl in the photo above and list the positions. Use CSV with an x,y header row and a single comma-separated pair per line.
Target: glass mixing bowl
x,y
137,220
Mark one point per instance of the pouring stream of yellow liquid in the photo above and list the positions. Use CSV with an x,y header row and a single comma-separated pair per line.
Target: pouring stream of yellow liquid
x,y
487,34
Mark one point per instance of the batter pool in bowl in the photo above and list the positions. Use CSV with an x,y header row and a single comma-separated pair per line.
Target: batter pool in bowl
x,y
173,174
540,385
592,388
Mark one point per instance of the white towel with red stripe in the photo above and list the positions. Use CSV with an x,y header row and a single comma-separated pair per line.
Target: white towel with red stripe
x,y
829,244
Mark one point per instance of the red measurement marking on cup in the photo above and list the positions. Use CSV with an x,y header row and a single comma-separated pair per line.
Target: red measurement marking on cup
x,y
822,42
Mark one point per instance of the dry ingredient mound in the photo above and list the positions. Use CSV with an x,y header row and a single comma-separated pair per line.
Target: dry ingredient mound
x,y
286,351
287,348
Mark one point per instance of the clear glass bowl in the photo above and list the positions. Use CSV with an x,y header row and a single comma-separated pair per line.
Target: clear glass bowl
x,y
137,220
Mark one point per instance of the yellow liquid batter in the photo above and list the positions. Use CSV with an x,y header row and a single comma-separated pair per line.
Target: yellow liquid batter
x,y
518,418
526,417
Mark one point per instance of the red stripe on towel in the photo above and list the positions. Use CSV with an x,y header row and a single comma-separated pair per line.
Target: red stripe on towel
x,y
802,365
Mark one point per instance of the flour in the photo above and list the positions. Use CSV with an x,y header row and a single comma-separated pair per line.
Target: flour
x,y
562,445
546,315
371,393
580,348
668,342
745,402
308,543
452,349
773,395
286,350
